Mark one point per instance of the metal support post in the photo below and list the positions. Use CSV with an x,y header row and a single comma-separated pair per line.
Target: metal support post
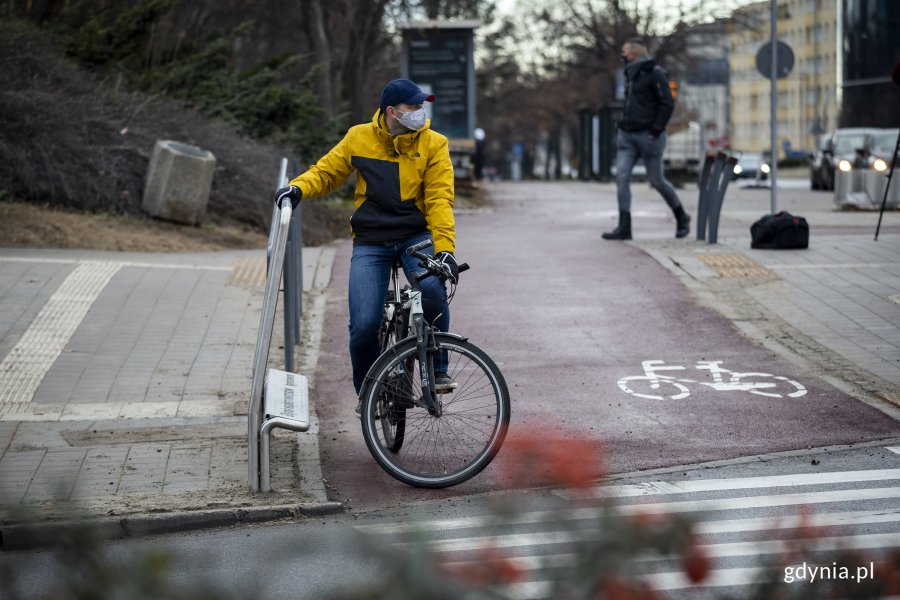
x,y
773,107
296,237
289,305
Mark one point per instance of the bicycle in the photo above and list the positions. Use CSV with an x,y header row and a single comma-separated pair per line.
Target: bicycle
x,y
420,435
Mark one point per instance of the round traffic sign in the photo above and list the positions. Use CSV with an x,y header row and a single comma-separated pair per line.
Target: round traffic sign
x,y
784,60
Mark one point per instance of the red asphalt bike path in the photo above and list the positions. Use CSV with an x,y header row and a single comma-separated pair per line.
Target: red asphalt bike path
x,y
567,315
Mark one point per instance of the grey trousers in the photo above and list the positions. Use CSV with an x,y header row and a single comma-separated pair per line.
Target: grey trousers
x,y
630,146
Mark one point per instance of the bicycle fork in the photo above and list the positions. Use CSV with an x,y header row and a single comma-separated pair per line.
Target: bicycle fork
x,y
424,353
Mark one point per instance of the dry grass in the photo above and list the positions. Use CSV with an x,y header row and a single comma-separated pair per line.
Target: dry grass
x,y
24,224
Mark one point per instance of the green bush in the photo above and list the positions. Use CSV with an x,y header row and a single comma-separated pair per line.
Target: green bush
x,y
121,42
258,101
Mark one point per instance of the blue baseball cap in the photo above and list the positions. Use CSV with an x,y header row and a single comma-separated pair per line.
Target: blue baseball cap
x,y
403,91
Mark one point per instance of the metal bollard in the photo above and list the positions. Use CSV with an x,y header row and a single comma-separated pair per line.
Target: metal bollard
x,y
703,199
722,176
714,178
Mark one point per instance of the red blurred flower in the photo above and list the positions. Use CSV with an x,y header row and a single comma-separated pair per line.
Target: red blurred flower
x,y
644,520
490,567
615,588
696,562
888,572
535,456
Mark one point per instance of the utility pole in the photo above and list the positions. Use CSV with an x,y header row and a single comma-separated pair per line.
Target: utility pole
x,y
773,102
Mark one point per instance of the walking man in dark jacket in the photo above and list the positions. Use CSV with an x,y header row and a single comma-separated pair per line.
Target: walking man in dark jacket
x,y
642,134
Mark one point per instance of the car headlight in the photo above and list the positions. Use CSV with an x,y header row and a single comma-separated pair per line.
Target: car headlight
x,y
765,168
880,165
738,170
845,166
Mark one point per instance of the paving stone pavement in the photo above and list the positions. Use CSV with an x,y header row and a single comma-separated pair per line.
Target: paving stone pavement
x,y
125,380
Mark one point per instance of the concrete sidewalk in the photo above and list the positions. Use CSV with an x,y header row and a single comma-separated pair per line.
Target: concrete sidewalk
x,y
125,384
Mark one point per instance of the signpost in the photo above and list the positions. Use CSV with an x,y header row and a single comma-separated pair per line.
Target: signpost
x,y
774,60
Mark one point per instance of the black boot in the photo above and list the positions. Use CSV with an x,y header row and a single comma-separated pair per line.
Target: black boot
x,y
684,222
623,231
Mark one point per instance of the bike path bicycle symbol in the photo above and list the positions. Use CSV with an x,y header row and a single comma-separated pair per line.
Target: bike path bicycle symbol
x,y
655,385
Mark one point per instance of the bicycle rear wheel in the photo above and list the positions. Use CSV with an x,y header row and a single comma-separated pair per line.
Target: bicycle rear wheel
x,y
449,449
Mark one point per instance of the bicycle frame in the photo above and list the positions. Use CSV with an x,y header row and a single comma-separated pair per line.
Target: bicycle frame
x,y
412,303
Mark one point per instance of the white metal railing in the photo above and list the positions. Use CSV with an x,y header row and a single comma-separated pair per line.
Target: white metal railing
x,y
278,399
292,273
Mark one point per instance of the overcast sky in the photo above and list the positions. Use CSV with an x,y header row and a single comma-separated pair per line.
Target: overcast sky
x,y
715,8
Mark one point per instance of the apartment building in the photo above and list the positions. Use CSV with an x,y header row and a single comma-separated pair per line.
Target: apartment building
x,y
807,104
870,34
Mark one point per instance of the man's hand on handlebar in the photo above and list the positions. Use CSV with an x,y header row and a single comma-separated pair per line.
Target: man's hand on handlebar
x,y
449,265
443,264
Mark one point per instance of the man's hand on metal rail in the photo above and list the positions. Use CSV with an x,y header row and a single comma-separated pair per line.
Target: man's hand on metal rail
x,y
448,262
288,191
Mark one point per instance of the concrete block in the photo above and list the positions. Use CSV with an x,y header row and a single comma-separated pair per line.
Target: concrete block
x,y
178,182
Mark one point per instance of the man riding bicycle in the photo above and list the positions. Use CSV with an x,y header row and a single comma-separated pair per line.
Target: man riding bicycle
x,y
404,195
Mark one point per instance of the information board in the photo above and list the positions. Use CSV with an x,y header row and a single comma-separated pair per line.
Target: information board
x,y
440,61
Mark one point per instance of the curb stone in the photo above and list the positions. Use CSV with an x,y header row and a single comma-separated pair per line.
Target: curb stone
x,y
23,536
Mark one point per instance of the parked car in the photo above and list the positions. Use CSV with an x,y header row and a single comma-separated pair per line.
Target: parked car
x,y
881,154
851,145
864,180
751,165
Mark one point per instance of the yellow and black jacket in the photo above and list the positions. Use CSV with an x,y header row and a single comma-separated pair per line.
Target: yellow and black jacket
x,y
404,183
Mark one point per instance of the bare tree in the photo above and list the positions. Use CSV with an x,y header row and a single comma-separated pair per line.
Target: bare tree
x,y
556,58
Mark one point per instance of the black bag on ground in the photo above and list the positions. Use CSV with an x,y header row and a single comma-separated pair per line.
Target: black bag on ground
x,y
781,231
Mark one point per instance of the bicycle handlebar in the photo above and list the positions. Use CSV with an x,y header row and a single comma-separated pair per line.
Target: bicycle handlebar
x,y
432,266
413,250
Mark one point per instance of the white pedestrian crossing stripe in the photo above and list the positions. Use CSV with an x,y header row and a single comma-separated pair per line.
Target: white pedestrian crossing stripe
x,y
746,519
23,369
745,483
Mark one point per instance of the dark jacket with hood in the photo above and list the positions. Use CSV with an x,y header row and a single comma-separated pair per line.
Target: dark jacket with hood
x,y
648,99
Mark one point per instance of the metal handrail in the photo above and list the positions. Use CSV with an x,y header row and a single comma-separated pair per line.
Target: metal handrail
x,y
284,259
278,236
292,272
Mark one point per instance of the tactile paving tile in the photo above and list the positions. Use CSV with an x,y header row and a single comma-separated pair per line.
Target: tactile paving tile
x,y
249,272
736,265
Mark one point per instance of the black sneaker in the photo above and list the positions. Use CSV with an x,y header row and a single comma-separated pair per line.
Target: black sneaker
x,y
358,410
444,384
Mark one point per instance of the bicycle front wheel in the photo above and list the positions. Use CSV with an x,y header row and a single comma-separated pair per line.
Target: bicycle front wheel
x,y
438,451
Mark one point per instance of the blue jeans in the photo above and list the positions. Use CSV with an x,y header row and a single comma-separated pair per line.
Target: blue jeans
x,y
370,272
631,145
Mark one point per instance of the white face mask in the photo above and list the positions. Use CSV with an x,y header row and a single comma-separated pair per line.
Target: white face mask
x,y
414,119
